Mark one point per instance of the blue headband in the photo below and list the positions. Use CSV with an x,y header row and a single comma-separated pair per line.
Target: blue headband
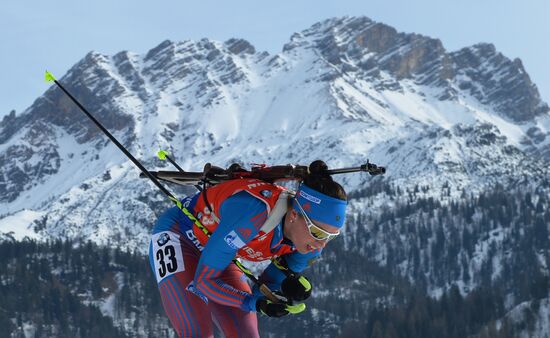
x,y
321,207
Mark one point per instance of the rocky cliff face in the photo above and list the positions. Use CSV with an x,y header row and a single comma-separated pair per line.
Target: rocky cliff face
x,y
500,82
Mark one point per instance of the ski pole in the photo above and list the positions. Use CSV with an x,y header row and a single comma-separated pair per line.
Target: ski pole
x,y
50,78
163,155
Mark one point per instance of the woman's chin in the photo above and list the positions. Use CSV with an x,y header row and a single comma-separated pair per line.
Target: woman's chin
x,y
303,249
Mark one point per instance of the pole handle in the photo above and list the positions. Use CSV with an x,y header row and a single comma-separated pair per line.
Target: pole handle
x,y
269,294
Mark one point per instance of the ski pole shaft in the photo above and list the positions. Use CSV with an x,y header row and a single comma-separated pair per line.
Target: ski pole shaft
x,y
50,77
174,163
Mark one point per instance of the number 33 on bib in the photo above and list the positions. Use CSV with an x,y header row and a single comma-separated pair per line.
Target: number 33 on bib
x,y
167,254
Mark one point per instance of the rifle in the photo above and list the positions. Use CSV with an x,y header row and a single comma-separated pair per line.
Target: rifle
x,y
212,175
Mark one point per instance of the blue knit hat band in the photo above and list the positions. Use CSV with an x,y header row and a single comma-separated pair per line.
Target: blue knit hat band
x,y
320,207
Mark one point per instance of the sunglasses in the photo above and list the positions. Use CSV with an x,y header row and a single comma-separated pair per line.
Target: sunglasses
x,y
314,230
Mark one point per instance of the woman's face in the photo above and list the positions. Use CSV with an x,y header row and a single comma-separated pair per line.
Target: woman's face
x,y
297,231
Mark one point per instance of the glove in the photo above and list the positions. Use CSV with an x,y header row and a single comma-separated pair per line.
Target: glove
x,y
296,287
271,309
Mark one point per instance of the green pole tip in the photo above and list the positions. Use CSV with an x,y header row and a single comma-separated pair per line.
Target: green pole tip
x,y
306,284
49,77
162,154
294,309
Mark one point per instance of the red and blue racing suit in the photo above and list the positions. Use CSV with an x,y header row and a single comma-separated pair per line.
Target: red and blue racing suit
x,y
197,282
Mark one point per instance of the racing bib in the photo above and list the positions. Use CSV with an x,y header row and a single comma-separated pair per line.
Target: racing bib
x,y
167,254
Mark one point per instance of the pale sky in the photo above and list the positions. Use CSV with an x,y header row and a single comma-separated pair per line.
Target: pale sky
x,y
38,35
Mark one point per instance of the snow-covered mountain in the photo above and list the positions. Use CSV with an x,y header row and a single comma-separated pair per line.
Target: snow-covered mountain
x,y
345,90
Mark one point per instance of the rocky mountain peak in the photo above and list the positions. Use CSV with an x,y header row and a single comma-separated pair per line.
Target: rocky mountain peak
x,y
238,46
163,46
368,49
494,79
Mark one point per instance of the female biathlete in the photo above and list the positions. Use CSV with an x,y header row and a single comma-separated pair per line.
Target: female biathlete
x,y
249,219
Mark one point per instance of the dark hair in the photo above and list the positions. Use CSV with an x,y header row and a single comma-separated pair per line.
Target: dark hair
x,y
319,180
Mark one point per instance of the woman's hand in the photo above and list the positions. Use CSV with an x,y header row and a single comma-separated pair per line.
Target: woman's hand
x,y
296,287
271,309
